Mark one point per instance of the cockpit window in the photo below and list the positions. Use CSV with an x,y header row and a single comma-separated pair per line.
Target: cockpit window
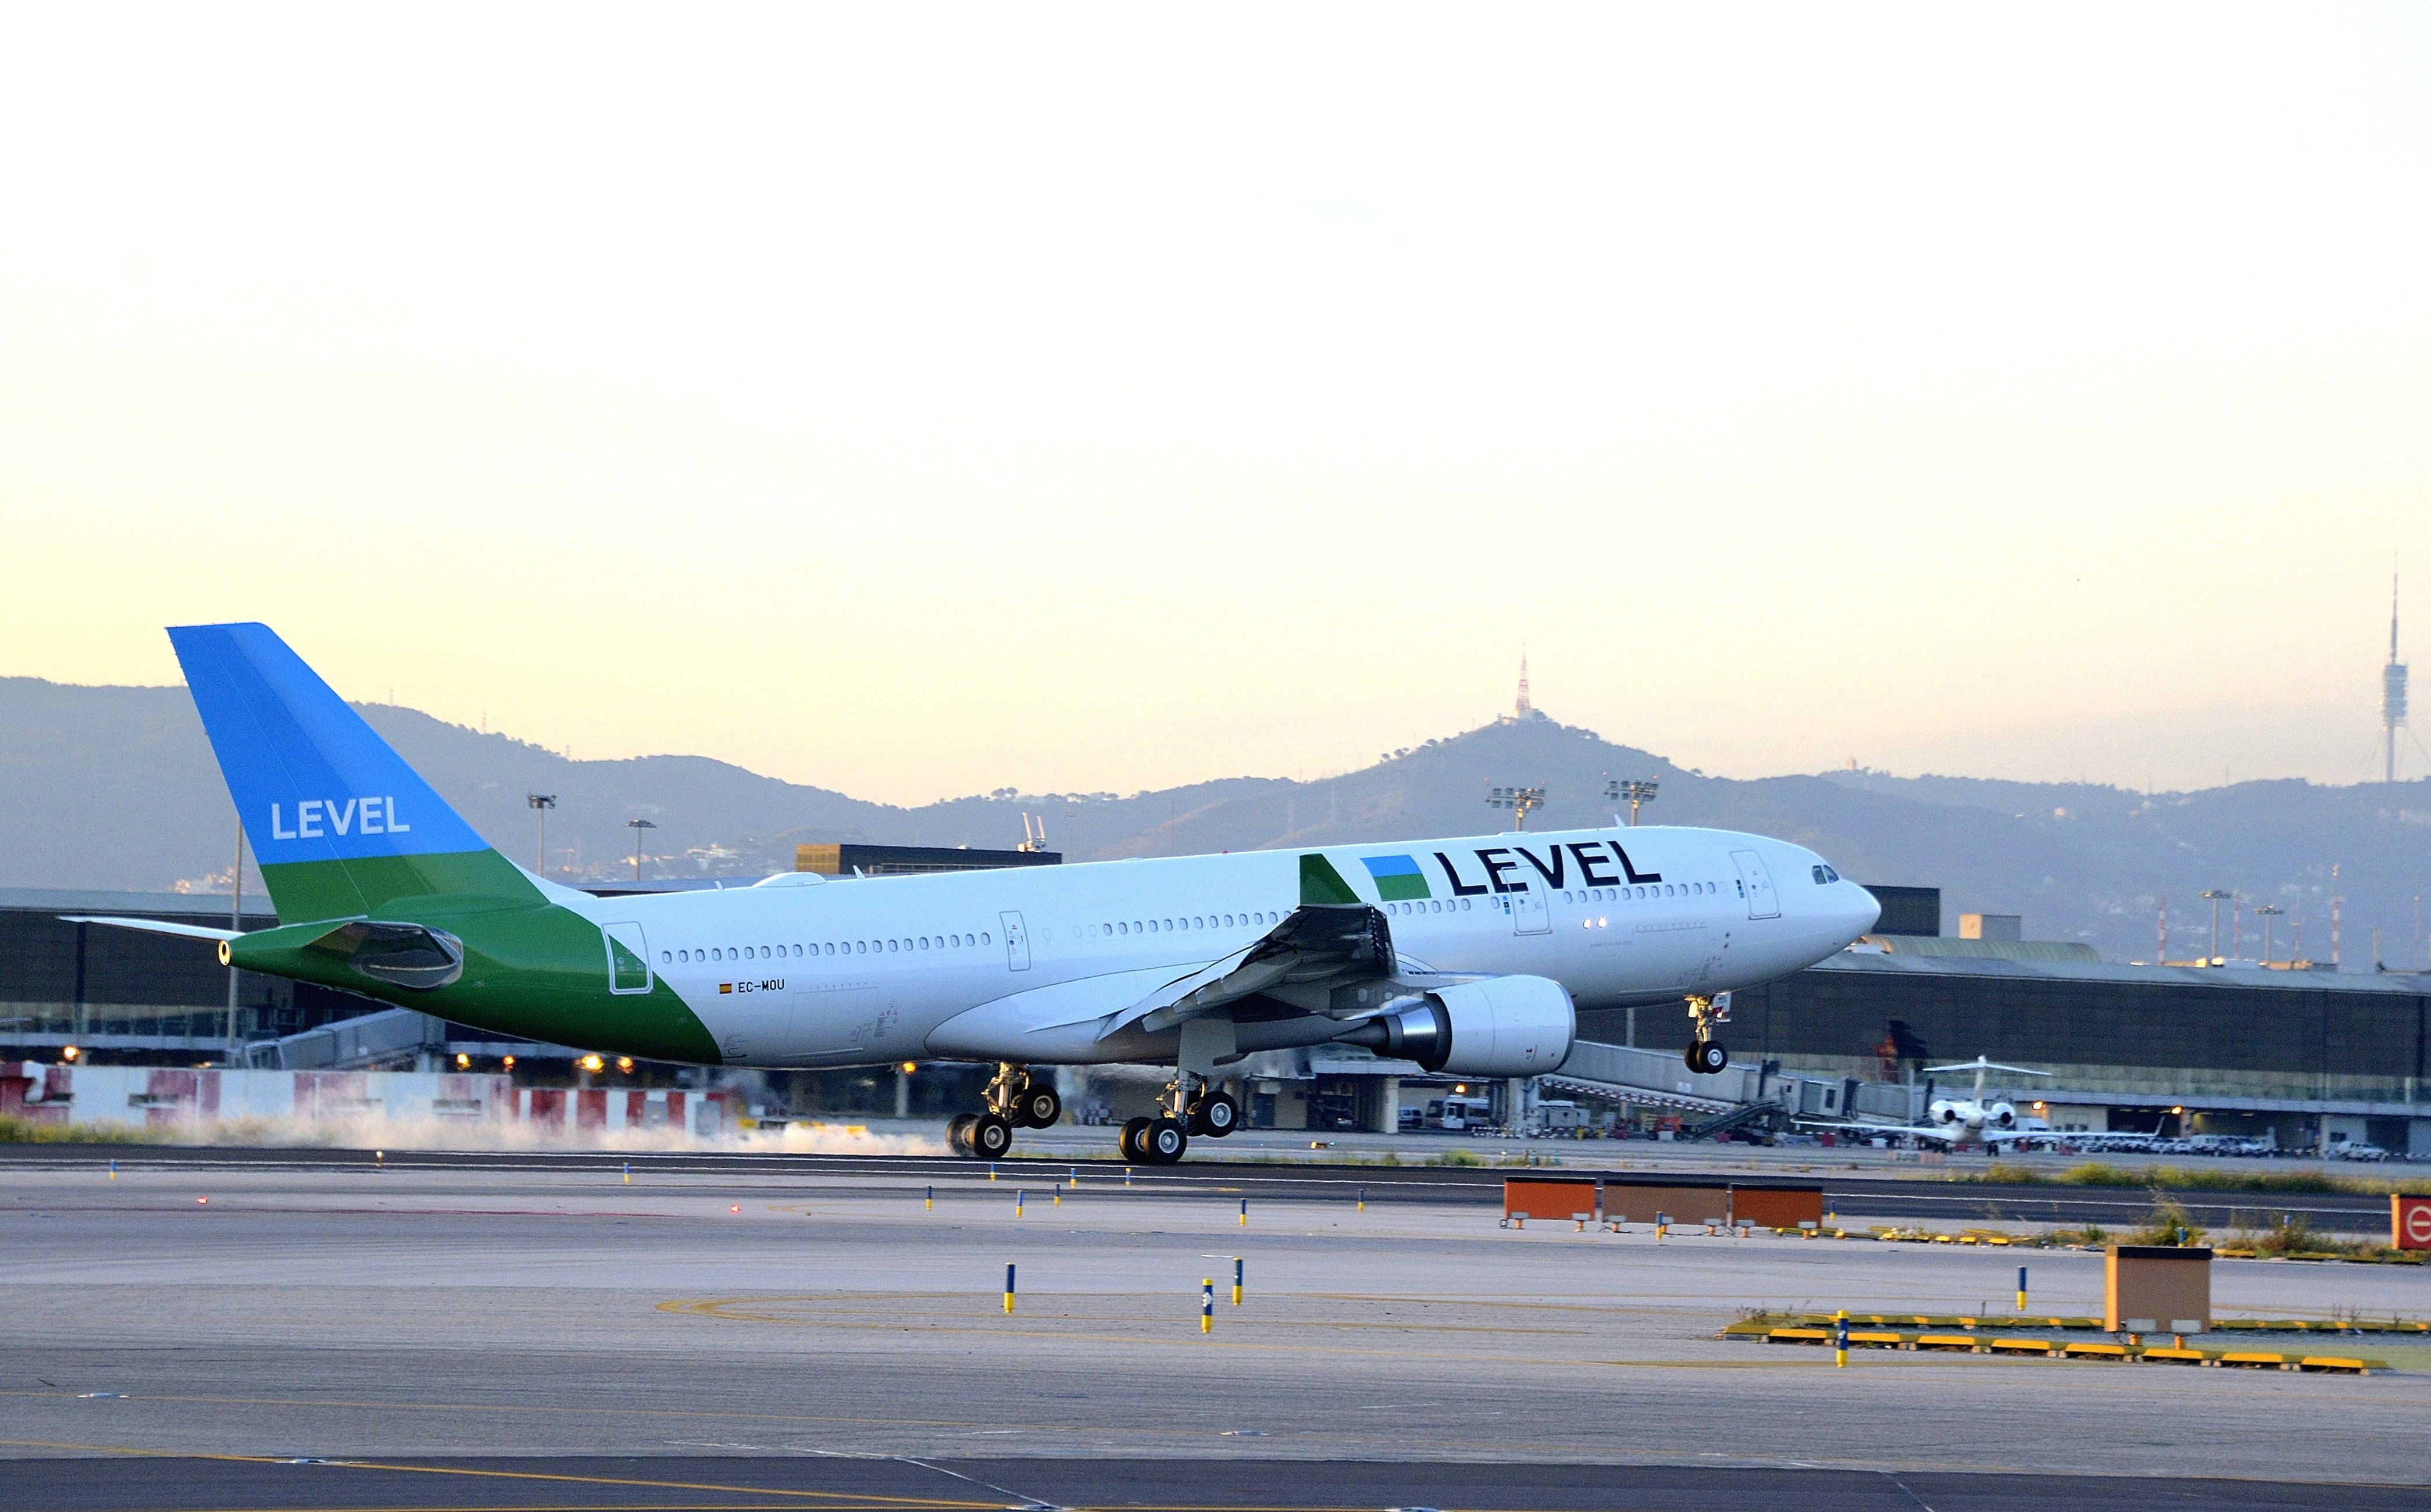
x,y
1824,873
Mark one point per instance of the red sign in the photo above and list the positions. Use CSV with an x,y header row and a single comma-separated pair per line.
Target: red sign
x,y
2409,1223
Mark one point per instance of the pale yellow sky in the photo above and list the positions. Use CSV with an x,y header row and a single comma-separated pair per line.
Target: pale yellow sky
x,y
920,400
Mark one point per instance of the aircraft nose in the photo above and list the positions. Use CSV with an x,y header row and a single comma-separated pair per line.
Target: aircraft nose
x,y
1860,912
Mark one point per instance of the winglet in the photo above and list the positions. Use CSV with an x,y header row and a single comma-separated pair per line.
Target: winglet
x,y
1320,884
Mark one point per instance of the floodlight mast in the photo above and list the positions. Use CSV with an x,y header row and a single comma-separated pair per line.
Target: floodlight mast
x,y
637,825
2267,912
1637,789
541,803
2215,895
1521,802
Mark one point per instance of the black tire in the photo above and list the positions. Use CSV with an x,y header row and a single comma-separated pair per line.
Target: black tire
x,y
1214,1116
1038,1107
1707,1057
1165,1141
1134,1150
990,1137
958,1133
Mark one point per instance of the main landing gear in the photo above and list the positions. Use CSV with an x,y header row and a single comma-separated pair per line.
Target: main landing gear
x,y
1193,1105
1015,1100
1705,1054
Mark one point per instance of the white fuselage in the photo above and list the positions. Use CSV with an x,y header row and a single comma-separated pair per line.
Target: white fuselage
x,y
1014,964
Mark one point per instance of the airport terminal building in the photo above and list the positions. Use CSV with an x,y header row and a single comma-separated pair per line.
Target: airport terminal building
x,y
2308,1056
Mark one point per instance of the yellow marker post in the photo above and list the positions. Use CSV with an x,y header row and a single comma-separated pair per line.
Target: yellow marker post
x,y
1237,1281
1008,1288
629,1172
1245,1212
1018,1197
1362,1199
1058,1194
930,1202
1840,1340
2021,1289
1207,1305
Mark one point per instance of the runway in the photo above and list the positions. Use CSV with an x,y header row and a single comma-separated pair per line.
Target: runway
x,y
834,1484
741,1333
1865,1195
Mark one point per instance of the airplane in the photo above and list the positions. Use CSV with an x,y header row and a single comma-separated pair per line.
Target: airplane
x,y
1972,1114
1949,1120
1468,957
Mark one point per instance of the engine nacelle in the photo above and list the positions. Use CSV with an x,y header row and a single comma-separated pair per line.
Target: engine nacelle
x,y
1945,1112
2003,1116
1498,1026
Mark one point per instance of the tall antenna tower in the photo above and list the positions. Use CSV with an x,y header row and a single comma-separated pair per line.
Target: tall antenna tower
x,y
2393,691
1524,707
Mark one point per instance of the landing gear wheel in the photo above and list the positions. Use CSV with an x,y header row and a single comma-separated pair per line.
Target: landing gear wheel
x,y
1037,1106
1134,1131
1214,1116
989,1136
958,1133
1165,1141
1707,1057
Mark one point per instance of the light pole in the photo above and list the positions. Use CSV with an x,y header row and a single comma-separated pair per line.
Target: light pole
x,y
2267,912
1637,789
236,922
1520,801
542,802
637,825
2215,895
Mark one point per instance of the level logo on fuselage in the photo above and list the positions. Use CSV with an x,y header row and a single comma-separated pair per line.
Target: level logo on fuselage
x,y
1555,866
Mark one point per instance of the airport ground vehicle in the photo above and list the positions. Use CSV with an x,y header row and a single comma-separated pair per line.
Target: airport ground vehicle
x,y
1458,1115
1466,955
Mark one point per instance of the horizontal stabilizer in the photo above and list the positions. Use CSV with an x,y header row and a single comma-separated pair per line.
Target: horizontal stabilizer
x,y
154,926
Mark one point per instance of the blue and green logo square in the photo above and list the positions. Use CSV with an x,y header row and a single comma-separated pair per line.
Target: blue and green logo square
x,y
1397,877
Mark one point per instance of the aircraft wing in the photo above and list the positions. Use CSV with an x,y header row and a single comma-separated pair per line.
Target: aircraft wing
x,y
1304,961
1334,954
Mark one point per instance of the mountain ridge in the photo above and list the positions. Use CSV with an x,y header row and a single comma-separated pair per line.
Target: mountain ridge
x,y
116,788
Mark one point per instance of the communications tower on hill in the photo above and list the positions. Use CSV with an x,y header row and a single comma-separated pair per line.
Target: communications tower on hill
x,y
2393,691
1524,707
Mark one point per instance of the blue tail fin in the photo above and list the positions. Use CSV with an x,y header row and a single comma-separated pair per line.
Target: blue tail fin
x,y
340,823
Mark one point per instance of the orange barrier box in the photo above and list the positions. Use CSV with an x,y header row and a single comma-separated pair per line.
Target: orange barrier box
x,y
1783,1205
1550,1198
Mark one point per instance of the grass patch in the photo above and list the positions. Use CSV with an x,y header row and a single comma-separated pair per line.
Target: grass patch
x,y
17,1130
2193,1178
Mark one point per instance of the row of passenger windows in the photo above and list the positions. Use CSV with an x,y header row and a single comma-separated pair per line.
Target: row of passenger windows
x,y
832,947
1438,906
1648,889
1167,926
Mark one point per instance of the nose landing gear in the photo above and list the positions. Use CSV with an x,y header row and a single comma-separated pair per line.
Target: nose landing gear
x,y
1705,1054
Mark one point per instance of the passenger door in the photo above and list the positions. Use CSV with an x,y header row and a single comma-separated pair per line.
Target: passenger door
x,y
628,958
1755,885
1531,909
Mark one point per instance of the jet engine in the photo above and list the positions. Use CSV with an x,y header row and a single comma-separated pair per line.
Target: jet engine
x,y
1495,1026
2002,1116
